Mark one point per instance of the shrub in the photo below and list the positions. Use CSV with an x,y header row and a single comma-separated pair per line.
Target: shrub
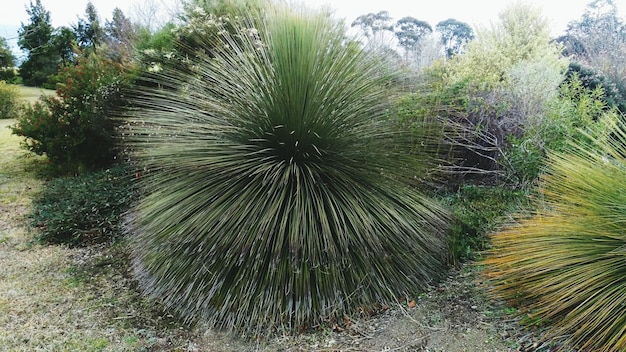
x,y
521,34
75,129
565,265
591,78
486,128
477,211
84,209
464,147
507,76
10,103
277,188
8,74
574,110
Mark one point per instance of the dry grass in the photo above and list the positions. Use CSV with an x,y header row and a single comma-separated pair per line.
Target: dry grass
x,y
54,298
17,183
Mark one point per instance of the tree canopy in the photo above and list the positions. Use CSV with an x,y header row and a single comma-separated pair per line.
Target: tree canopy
x,y
89,32
409,31
35,38
454,35
373,26
7,59
522,34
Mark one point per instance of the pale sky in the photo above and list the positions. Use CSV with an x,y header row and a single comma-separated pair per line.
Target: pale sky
x,y
473,12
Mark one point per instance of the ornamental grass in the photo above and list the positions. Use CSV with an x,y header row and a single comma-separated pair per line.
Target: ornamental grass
x,y
279,193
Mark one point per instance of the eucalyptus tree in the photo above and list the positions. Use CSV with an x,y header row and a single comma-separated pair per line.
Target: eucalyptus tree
x,y
375,27
454,35
410,32
278,190
120,36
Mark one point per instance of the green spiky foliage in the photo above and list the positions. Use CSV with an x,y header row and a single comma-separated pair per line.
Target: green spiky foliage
x,y
567,265
276,184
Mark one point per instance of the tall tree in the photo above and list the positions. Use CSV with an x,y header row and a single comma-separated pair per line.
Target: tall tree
x,y
7,59
120,34
373,26
598,40
36,39
63,43
454,35
89,31
599,15
410,31
119,28
7,62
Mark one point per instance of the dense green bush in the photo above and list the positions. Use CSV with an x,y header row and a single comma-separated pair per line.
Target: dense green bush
x,y
278,190
575,110
75,129
566,264
84,209
9,74
10,103
477,211
591,78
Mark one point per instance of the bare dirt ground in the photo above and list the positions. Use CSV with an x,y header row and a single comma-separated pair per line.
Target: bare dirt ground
x,y
55,298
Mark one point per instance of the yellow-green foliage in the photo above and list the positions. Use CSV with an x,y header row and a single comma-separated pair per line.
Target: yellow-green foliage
x,y
521,34
10,104
567,264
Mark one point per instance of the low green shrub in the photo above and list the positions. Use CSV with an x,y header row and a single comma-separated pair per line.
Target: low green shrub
x,y
84,209
477,211
575,110
9,75
10,103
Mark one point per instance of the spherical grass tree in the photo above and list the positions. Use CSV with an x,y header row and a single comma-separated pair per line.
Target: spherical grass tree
x,y
566,266
277,189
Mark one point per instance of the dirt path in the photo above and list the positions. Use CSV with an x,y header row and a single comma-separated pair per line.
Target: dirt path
x,y
54,298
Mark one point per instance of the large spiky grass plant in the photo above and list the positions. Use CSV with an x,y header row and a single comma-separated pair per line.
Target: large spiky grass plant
x,y
567,264
276,184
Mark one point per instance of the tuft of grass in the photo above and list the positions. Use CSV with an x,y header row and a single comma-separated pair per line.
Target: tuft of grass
x,y
278,192
566,265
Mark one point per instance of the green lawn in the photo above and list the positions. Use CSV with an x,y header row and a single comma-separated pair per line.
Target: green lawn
x,y
31,94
